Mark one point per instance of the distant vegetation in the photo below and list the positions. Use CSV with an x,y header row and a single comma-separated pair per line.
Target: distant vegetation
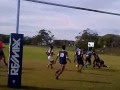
x,y
106,41
4,38
109,43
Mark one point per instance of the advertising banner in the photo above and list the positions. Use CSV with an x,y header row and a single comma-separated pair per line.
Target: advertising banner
x,y
15,60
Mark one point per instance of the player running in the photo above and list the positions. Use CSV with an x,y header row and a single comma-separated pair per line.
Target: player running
x,y
88,57
50,54
63,57
79,59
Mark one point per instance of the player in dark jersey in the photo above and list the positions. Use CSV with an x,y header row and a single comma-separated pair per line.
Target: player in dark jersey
x,y
96,61
79,59
2,55
102,64
50,54
63,57
88,57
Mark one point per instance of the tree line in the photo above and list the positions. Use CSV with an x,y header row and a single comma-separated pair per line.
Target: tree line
x,y
105,41
45,37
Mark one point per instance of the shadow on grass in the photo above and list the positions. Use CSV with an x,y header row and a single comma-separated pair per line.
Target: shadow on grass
x,y
27,88
110,70
3,70
71,70
85,81
28,69
37,88
3,75
102,69
96,74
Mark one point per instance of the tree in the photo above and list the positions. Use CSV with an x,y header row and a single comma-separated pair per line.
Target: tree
x,y
4,38
59,43
27,40
44,37
86,36
110,40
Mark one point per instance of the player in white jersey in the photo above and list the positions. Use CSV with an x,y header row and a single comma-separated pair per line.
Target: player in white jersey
x,y
50,54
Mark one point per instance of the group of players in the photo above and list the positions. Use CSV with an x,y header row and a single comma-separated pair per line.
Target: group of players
x,y
81,58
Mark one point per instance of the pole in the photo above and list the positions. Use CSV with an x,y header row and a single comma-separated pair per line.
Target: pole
x,y
15,55
18,17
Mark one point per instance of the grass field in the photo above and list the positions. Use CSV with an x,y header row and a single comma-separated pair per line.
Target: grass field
x,y
36,76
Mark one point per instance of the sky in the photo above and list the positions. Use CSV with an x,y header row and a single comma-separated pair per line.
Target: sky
x,y
64,23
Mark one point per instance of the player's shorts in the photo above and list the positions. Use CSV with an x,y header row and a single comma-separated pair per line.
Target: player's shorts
x,y
50,58
88,59
62,61
80,61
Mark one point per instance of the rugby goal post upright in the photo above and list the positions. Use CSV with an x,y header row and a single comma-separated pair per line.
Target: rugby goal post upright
x,y
15,55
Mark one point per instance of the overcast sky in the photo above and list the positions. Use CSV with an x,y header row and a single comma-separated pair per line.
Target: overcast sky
x,y
64,23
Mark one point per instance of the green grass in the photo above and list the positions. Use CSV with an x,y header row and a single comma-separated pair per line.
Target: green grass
x,y
36,76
